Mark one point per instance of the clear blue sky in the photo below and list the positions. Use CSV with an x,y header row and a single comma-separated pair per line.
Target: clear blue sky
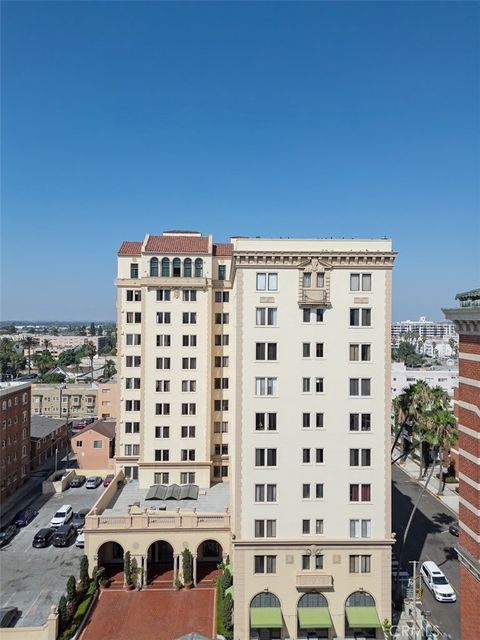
x,y
289,119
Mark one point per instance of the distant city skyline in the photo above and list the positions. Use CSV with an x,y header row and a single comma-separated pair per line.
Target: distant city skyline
x,y
271,119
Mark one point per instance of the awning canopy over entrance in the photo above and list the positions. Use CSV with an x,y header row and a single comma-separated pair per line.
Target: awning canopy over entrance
x,y
314,618
266,617
362,617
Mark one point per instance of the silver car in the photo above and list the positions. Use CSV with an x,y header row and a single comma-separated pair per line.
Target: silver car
x,y
93,482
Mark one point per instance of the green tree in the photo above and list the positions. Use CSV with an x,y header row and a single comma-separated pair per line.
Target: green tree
x,y
406,352
54,331
62,613
109,369
46,344
28,343
453,344
52,378
82,330
90,352
127,568
43,361
84,577
67,358
187,566
228,615
71,589
441,433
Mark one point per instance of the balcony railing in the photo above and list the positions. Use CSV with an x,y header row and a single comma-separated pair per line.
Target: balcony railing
x,y
314,581
314,296
151,520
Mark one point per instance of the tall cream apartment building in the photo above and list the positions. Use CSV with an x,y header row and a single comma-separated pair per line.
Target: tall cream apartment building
x,y
265,364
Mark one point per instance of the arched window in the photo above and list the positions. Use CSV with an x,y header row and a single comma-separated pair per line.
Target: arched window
x,y
360,599
313,600
263,600
154,267
198,268
187,268
177,268
165,267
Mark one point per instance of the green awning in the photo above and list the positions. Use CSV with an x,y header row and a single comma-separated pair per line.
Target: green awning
x,y
314,618
362,617
266,617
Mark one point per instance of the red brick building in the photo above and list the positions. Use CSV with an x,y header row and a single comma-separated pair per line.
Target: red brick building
x,y
15,436
467,323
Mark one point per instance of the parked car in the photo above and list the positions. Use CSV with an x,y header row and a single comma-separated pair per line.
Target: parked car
x,y
77,481
7,534
108,479
80,541
93,482
64,535
8,616
78,520
437,582
24,516
43,538
454,529
62,516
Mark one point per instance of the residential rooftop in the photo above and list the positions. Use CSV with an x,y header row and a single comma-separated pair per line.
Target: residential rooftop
x,y
213,500
42,426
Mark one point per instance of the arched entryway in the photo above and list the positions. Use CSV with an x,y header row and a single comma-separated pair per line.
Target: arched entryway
x,y
160,559
110,556
361,617
209,555
266,621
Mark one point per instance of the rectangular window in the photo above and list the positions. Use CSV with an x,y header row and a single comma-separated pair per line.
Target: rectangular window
x,y
319,420
320,280
162,455
163,295
132,427
189,295
222,272
134,295
162,409
265,564
319,558
163,317
305,562
161,477
307,280
133,339
305,527
319,528
306,349
189,318
162,432
163,363
366,317
133,361
354,282
266,351
305,420
319,490
360,493
306,385
305,456
360,387
306,315
267,282
220,405
319,456
265,421
365,353
360,528
366,421
133,270
360,564
266,386
318,385
164,340
305,491
360,282
319,350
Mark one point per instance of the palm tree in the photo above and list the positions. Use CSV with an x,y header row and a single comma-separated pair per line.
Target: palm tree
x,y
441,435
43,361
47,344
418,403
453,344
109,369
90,351
28,343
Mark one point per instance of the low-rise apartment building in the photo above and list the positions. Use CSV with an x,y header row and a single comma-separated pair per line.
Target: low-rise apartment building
x,y
94,446
107,399
15,436
422,329
402,377
49,437
65,400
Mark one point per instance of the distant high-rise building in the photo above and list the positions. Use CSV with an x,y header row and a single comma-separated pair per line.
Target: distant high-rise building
x,y
422,328
466,318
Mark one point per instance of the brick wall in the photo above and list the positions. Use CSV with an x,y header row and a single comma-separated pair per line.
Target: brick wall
x,y
469,605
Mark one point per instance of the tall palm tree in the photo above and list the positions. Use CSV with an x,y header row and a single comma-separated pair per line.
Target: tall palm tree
x,y
28,343
419,403
47,344
441,435
90,351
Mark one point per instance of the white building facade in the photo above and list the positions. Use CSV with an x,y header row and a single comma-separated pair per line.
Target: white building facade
x,y
447,378
423,328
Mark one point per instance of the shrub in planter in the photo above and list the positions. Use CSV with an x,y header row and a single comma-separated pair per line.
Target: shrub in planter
x,y
127,568
178,583
228,616
187,564
84,577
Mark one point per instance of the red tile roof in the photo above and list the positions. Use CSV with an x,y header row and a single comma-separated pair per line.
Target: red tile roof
x,y
177,244
129,248
223,249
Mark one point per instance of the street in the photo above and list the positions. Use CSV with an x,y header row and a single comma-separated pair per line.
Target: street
x,y
429,539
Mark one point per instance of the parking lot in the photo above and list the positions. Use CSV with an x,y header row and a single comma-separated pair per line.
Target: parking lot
x,y
34,579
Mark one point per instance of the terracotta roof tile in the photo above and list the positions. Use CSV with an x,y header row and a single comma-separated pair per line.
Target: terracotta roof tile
x,y
129,248
223,249
177,244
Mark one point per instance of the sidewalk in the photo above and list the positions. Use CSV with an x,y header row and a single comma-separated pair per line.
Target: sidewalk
x,y
450,498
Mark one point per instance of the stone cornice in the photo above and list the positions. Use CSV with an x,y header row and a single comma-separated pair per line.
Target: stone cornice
x,y
331,543
331,259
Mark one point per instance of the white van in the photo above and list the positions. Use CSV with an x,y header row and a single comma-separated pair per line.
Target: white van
x,y
437,582
62,516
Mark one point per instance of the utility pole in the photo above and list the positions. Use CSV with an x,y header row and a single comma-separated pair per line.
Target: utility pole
x,y
414,562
